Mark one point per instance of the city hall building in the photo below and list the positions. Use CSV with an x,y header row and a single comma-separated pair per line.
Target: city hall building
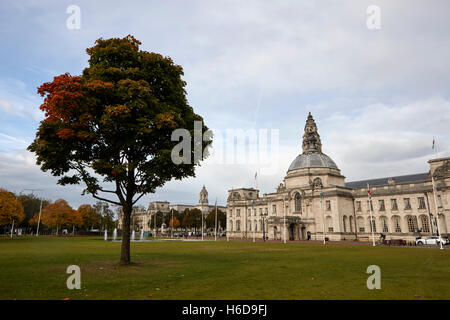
x,y
314,200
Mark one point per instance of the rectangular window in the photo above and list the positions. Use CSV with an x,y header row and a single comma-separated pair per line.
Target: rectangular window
x,y
254,212
369,203
238,212
381,203
274,209
238,225
231,212
328,205
421,203
394,205
407,204
439,201
260,211
358,206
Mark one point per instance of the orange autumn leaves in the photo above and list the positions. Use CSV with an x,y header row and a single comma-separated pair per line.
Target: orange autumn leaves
x,y
66,104
58,214
11,209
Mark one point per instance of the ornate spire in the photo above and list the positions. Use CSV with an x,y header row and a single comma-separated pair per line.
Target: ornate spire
x,y
203,196
311,138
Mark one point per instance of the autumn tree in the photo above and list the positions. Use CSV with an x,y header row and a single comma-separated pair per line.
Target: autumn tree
x,y
193,219
106,214
161,218
89,216
174,223
211,219
111,128
31,206
11,209
60,214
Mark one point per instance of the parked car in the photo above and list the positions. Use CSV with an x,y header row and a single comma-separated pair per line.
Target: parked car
x,y
178,234
434,240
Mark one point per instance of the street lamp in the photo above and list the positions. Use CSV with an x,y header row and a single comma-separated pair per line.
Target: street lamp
x,y
263,218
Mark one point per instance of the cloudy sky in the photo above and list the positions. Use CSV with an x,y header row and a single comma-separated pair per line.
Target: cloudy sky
x,y
378,95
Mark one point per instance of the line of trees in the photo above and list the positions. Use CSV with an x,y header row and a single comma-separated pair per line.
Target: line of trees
x,y
189,219
22,211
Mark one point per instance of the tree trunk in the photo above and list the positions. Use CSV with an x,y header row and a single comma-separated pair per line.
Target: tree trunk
x,y
125,250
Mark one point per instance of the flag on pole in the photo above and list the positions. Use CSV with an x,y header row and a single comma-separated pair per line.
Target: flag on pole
x,y
321,196
434,142
368,192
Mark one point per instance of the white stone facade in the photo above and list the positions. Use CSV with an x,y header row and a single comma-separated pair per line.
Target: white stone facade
x,y
403,207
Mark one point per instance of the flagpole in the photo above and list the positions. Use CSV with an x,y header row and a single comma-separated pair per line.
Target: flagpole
x,y
369,196
254,227
437,214
202,220
435,150
215,224
39,219
323,216
284,220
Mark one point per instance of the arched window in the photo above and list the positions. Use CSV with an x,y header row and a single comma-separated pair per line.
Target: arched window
x,y
344,223
425,224
442,223
373,226
396,224
350,220
412,223
384,225
238,225
231,225
255,225
298,202
360,221
330,223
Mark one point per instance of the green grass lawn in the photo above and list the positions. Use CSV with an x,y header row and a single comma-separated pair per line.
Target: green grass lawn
x,y
35,268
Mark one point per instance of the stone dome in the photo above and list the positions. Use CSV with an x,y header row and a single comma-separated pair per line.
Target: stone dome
x,y
312,160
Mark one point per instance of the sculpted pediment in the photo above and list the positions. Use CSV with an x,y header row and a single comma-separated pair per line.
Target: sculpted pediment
x,y
442,171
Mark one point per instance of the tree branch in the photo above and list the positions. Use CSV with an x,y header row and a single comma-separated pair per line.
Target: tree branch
x,y
142,194
107,200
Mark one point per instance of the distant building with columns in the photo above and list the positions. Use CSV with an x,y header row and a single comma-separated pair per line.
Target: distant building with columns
x,y
314,200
